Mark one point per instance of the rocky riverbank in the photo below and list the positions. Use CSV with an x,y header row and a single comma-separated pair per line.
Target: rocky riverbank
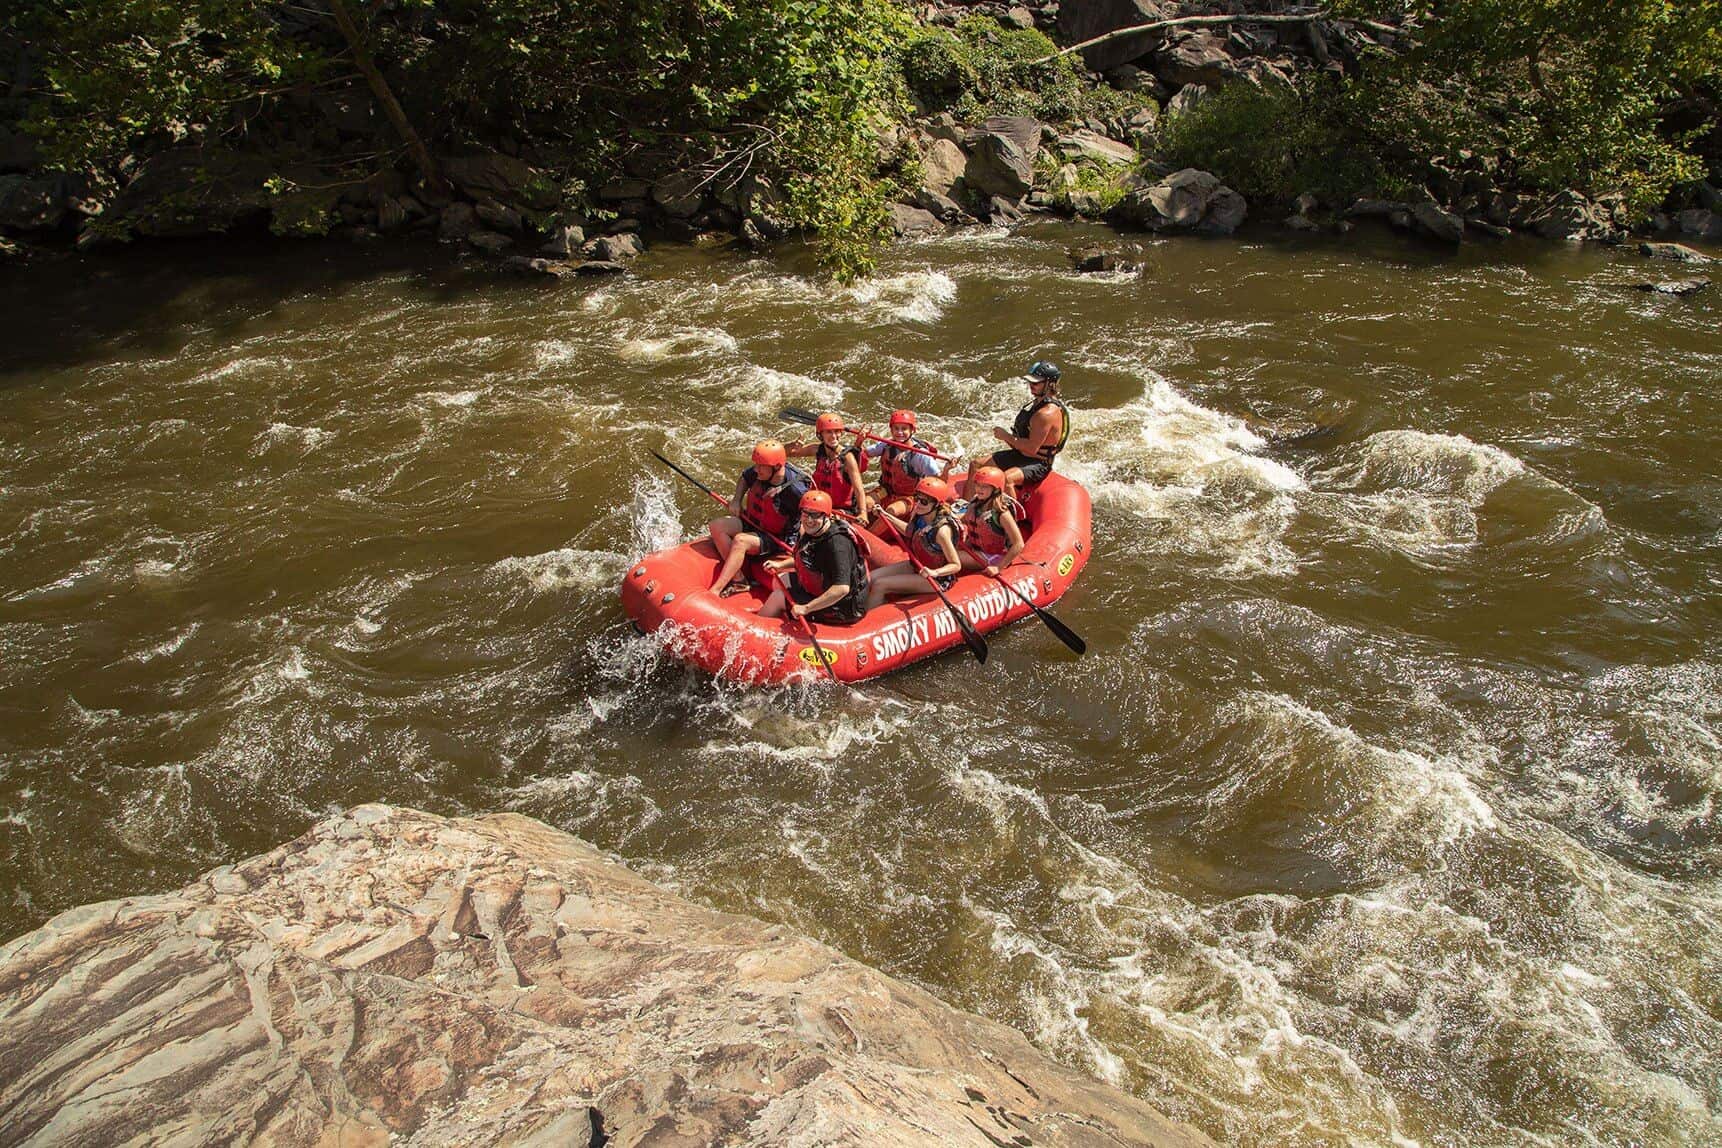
x,y
522,202
397,977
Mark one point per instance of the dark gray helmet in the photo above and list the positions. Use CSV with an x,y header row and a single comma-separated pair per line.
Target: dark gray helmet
x,y
1043,370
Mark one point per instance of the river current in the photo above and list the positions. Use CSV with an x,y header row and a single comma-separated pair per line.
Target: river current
x,y
1383,809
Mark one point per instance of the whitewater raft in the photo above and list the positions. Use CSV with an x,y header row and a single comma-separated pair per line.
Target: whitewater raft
x,y
668,593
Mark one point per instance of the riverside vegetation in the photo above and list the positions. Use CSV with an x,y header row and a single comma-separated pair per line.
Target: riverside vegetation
x,y
550,122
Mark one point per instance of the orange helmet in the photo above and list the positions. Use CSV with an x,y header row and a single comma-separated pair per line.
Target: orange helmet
x,y
816,502
769,452
904,417
830,420
989,476
936,489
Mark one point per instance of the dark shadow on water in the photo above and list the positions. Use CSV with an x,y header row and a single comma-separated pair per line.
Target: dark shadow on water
x,y
153,297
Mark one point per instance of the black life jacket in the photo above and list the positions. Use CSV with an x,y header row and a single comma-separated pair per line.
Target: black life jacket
x,y
760,509
808,575
1026,415
831,476
898,482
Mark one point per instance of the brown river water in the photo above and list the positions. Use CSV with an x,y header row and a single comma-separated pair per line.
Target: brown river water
x,y
1383,809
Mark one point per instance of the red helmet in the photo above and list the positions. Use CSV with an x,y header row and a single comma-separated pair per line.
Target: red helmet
x,y
936,489
830,420
989,476
769,452
816,502
904,417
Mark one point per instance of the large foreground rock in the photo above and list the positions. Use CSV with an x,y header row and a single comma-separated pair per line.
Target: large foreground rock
x,y
394,977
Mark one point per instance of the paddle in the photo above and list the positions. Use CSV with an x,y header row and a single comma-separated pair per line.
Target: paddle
x,y
977,644
818,650
797,415
1059,630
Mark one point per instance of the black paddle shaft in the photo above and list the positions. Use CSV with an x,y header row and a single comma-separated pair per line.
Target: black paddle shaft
x,y
977,645
1062,632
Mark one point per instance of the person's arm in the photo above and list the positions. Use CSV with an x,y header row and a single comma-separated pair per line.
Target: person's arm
x,y
947,547
778,564
1013,538
799,449
1042,429
740,493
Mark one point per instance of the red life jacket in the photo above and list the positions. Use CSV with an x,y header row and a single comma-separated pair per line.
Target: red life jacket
x,y
898,482
831,476
760,510
924,538
983,529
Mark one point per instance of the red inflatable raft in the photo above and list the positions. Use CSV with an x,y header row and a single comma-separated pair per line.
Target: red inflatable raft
x,y
670,591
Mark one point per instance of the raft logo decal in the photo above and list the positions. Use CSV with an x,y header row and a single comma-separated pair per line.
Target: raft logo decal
x,y
1065,563
811,656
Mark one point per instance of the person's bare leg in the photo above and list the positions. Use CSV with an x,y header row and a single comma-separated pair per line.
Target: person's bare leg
x,y
740,547
776,605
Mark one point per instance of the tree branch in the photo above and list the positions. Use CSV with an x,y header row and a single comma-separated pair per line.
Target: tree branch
x,y
380,89
1204,21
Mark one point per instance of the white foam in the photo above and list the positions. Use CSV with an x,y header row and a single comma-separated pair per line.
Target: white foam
x,y
564,569
909,296
453,398
694,343
276,434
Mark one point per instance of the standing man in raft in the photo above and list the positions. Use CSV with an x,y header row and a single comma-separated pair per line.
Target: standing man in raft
x,y
1041,430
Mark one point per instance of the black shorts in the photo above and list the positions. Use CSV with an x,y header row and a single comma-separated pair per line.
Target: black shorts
x,y
1034,470
768,547
848,610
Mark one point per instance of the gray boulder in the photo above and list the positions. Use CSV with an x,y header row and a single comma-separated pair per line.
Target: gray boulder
x,y
565,239
1195,58
1678,252
500,218
906,220
396,977
1569,215
1699,223
1187,97
942,166
1675,286
1432,220
1187,200
1083,144
1080,20
489,242
493,175
619,248
677,194
624,190
538,267
1001,159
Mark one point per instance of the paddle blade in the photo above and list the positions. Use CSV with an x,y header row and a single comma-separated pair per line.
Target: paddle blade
x,y
1062,632
797,415
971,637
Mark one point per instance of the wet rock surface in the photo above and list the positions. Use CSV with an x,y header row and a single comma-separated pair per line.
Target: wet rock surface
x,y
396,977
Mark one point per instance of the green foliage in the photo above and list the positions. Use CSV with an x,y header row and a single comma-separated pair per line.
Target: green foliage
x,y
121,74
1539,94
982,69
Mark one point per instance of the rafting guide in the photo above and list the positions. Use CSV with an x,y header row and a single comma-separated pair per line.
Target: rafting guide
x,y
816,570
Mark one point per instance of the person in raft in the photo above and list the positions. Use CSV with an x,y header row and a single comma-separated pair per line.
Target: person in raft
x,y
836,469
768,496
900,469
829,579
989,524
1042,428
932,535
